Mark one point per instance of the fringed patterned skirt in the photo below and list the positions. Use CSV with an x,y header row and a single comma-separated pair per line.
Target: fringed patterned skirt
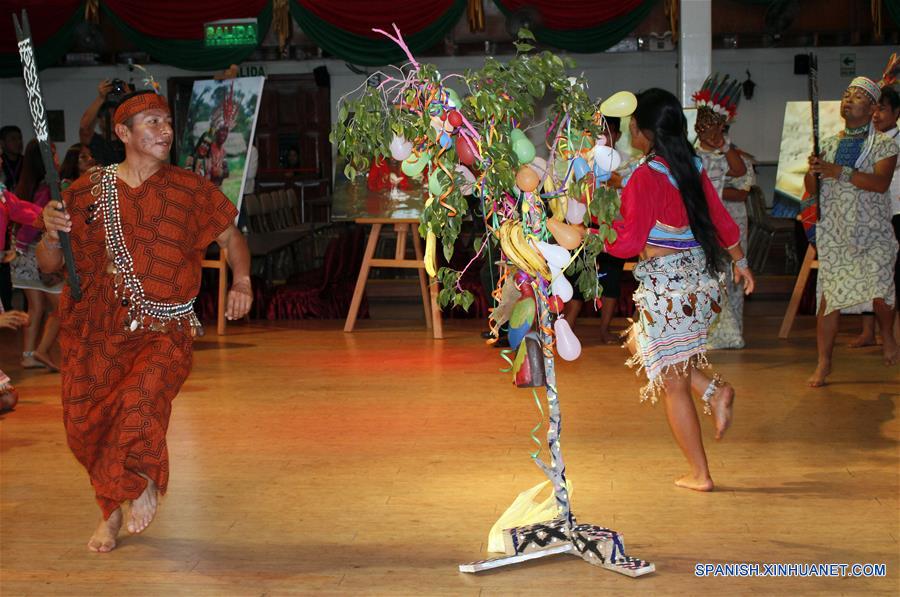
x,y
675,302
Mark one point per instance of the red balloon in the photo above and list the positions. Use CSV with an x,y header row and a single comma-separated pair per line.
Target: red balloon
x,y
556,303
455,118
465,150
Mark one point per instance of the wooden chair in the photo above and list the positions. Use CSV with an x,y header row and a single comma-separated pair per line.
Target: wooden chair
x,y
764,229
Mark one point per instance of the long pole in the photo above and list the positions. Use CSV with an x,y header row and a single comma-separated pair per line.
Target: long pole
x,y
39,119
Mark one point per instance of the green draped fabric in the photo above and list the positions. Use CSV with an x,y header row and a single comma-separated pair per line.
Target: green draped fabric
x,y
49,52
373,52
893,8
593,39
190,54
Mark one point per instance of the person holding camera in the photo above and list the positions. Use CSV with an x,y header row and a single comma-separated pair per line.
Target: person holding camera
x,y
105,146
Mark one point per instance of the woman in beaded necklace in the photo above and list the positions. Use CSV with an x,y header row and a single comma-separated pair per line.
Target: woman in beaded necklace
x,y
854,239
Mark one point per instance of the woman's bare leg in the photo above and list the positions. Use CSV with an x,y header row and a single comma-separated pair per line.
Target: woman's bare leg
x,y
33,331
51,329
685,426
885,315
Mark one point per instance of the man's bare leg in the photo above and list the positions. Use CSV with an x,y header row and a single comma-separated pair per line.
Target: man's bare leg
x,y
721,403
685,427
867,335
826,333
143,509
571,311
885,315
104,538
606,315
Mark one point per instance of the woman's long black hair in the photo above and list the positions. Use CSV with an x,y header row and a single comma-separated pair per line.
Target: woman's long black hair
x,y
660,115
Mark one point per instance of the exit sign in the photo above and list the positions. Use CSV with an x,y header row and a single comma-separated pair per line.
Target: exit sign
x,y
230,33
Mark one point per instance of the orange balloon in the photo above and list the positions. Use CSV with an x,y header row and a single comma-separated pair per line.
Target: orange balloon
x,y
566,235
527,179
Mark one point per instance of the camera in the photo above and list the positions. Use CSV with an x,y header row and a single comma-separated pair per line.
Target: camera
x,y
119,89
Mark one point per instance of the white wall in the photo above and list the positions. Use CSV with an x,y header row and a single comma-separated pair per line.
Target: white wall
x,y
757,128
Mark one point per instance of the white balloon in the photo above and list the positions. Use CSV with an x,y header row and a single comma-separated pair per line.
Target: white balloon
x,y
567,344
556,256
560,285
469,187
606,157
539,165
575,211
400,148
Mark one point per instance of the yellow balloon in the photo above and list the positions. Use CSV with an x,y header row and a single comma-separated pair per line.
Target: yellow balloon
x,y
619,104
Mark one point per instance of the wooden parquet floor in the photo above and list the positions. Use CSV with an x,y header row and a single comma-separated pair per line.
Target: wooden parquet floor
x,y
308,461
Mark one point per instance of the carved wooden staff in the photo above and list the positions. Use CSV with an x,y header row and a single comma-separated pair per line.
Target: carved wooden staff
x,y
39,119
813,81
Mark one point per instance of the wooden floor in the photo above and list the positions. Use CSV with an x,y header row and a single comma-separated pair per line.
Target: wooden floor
x,y
309,461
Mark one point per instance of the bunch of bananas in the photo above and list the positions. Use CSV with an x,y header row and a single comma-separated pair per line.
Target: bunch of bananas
x,y
558,207
519,251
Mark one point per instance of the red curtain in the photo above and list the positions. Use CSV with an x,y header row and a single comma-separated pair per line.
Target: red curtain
x,y
361,16
46,17
573,14
181,19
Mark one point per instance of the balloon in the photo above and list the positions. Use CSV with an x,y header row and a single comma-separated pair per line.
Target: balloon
x,y
567,236
414,164
580,167
435,186
400,148
465,149
606,158
556,304
561,286
523,280
539,165
527,179
524,150
619,104
516,134
468,187
567,344
453,99
575,211
601,140
555,255
445,140
454,118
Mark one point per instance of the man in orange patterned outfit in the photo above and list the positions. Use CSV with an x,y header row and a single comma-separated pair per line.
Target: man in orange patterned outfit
x,y
139,230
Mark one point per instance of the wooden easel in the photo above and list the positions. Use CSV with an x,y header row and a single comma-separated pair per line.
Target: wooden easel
x,y
405,228
809,263
220,264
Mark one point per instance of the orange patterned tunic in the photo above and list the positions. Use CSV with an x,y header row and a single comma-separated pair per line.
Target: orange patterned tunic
x,y
117,384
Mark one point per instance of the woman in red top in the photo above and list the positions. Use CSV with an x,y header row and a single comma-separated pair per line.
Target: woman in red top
x,y
673,218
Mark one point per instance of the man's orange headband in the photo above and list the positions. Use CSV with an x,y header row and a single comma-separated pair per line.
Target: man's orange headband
x,y
139,103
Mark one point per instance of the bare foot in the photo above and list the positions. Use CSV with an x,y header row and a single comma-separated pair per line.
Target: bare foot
x,y
695,483
143,509
609,339
30,362
45,360
817,379
891,354
104,538
722,405
862,341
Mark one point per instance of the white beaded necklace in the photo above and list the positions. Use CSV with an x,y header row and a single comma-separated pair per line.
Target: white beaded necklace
x,y
128,286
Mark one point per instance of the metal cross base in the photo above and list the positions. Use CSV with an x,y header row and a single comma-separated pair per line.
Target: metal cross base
x,y
595,545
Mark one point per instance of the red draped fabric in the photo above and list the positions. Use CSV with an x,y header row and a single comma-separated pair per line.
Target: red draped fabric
x,y
181,19
573,14
361,16
46,17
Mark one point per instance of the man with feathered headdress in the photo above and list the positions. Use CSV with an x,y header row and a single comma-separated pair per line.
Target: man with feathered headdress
x,y
716,103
